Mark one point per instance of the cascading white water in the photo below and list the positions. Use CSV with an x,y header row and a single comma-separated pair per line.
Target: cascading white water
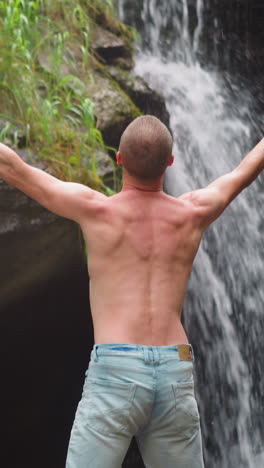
x,y
223,311
199,27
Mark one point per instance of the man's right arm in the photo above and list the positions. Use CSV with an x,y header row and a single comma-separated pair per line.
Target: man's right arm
x,y
211,201
68,199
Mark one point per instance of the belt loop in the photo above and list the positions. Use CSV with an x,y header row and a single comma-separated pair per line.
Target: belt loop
x,y
146,355
150,353
95,353
156,356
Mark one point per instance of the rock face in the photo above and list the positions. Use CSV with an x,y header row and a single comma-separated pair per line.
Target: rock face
x,y
114,109
46,328
119,98
233,35
236,29
112,49
232,40
146,99
36,246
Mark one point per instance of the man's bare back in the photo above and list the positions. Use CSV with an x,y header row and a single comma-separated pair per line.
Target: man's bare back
x,y
141,249
141,242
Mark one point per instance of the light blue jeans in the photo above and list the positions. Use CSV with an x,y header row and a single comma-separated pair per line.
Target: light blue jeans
x,y
142,391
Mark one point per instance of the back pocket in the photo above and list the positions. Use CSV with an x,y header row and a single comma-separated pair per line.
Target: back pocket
x,y
107,404
187,419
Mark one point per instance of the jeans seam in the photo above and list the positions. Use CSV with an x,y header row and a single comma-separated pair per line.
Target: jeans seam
x,y
152,406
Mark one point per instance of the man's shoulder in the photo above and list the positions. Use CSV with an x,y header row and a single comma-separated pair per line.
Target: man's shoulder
x,y
184,202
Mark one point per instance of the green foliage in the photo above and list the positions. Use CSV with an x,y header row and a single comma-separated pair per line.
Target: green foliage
x,y
38,88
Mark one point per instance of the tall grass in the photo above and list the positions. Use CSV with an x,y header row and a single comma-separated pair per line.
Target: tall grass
x,y
51,105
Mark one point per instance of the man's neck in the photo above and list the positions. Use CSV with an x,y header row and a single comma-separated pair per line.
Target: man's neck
x,y
141,189
129,183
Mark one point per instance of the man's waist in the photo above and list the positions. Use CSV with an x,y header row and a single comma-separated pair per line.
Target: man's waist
x,y
184,351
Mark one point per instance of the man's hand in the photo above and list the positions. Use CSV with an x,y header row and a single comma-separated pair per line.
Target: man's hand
x,y
211,201
70,200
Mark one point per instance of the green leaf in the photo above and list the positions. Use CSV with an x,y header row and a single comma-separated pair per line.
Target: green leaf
x,y
73,160
109,191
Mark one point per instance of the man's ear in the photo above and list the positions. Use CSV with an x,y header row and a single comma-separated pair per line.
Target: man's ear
x,y
171,161
119,158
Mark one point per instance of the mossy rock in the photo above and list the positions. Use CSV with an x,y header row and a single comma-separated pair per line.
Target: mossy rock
x,y
146,99
111,49
114,109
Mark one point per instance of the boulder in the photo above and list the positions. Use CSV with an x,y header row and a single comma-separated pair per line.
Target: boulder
x,y
119,97
114,109
109,171
146,99
111,49
236,29
46,328
36,246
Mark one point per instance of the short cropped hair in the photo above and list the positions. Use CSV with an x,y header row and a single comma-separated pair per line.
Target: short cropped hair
x,y
146,147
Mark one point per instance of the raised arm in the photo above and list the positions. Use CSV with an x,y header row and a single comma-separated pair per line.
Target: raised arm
x,y
211,201
67,199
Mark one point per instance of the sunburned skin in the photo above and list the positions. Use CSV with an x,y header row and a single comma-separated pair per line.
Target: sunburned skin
x,y
141,249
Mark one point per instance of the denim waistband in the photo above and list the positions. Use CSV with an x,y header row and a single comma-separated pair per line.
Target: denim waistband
x,y
184,352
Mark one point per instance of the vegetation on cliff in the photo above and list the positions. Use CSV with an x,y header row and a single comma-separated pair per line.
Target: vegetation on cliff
x,y
47,69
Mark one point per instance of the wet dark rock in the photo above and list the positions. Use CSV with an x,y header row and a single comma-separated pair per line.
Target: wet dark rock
x,y
111,49
236,29
45,340
104,164
108,170
114,109
36,246
146,99
46,328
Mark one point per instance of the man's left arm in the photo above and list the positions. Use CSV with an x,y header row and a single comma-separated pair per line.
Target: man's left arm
x,y
68,199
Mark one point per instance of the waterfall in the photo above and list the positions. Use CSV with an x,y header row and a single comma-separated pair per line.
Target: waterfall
x,y
199,27
223,311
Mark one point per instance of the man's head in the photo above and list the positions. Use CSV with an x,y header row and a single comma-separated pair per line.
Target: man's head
x,y
145,148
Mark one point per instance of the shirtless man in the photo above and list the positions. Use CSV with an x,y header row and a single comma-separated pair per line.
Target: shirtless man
x,y
142,244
